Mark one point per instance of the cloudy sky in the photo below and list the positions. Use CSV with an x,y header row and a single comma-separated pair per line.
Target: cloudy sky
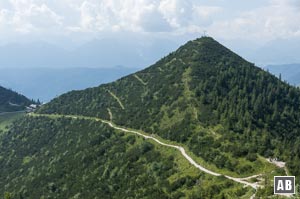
x,y
237,23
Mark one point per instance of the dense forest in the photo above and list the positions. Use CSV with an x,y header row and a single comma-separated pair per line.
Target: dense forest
x,y
225,109
78,158
12,101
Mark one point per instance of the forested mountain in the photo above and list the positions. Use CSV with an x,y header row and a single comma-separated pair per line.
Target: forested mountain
x,y
202,84
229,114
12,101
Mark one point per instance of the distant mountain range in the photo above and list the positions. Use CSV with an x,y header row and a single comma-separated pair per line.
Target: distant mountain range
x,y
274,52
46,83
288,72
130,52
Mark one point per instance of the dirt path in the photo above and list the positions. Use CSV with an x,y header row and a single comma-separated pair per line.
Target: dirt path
x,y
183,152
139,79
116,98
180,148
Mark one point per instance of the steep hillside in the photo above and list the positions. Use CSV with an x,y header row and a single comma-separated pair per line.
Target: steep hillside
x,y
225,109
80,158
12,101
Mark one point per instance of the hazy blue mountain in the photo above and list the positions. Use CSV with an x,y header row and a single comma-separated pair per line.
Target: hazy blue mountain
x,y
38,54
289,72
277,52
132,52
274,52
47,83
100,53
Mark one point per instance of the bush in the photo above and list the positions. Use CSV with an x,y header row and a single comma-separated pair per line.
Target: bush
x,y
251,157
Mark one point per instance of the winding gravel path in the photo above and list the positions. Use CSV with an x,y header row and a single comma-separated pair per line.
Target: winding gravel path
x,y
189,158
180,148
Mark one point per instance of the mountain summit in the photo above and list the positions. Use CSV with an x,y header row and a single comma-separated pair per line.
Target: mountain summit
x,y
162,83
227,113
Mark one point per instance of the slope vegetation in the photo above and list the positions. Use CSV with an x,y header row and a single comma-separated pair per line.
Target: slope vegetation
x,y
225,109
63,157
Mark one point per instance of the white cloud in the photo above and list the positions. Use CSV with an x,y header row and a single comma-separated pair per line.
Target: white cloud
x,y
290,3
114,15
279,19
29,16
275,18
206,11
176,12
4,21
26,16
204,15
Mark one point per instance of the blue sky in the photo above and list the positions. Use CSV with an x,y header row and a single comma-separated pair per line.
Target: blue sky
x,y
237,23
